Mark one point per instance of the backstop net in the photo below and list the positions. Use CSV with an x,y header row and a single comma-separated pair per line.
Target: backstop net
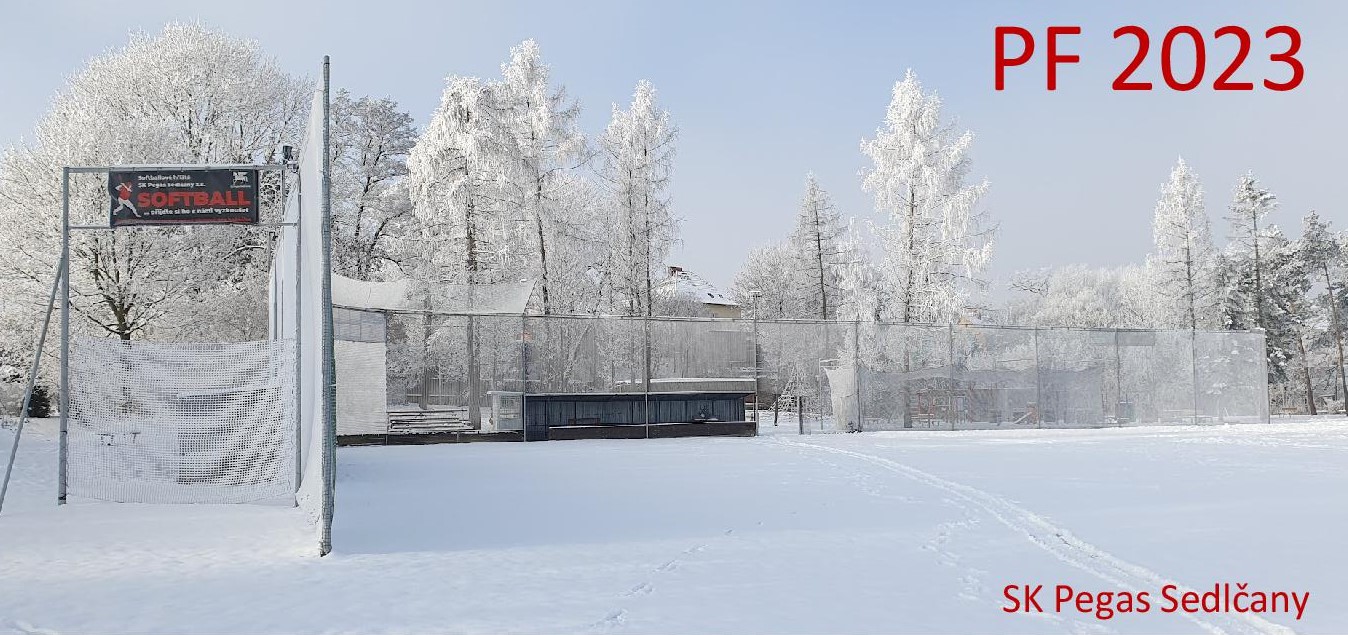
x,y
301,314
181,423
796,376
178,421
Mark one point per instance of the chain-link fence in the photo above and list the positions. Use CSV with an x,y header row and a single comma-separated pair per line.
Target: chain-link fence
x,y
491,373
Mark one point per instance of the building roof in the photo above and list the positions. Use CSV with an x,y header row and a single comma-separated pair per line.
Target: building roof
x,y
689,284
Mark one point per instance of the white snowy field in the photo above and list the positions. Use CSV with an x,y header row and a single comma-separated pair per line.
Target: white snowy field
x,y
914,532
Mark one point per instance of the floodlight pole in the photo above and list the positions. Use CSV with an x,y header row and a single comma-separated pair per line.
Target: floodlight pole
x,y
63,444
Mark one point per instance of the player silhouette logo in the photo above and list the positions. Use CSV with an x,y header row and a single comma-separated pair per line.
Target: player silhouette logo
x,y
124,199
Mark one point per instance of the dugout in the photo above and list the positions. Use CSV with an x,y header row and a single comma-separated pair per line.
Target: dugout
x,y
631,415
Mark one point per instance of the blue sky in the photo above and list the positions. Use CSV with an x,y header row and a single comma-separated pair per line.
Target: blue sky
x,y
764,92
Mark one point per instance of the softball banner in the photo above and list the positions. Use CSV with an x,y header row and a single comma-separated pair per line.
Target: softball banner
x,y
172,197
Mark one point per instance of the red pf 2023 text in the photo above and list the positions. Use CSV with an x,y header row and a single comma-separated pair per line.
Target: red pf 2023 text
x,y
1281,43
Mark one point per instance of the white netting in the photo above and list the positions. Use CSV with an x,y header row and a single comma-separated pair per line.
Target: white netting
x,y
507,298
843,393
181,423
361,294
298,308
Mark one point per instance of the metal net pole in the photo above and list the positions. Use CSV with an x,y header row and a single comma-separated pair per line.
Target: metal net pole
x,y
1038,384
950,351
329,363
32,381
524,378
856,367
299,343
62,452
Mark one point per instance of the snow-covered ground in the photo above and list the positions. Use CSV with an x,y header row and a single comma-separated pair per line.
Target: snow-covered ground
x,y
914,532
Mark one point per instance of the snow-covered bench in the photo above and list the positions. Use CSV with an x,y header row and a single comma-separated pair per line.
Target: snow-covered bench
x,y
419,421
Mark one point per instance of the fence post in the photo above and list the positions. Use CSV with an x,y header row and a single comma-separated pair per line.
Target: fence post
x,y
32,382
63,446
1267,407
754,353
524,378
950,352
1118,380
1038,390
856,367
800,414
646,374
298,336
1193,357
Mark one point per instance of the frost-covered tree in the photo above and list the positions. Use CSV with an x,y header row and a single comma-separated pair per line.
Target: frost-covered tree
x,y
638,163
457,200
1250,204
370,142
821,251
1288,313
1184,263
453,178
935,241
768,286
803,277
862,290
185,95
1080,296
545,145
1324,256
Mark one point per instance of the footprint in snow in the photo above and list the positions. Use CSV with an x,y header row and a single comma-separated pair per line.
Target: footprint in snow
x,y
644,588
612,620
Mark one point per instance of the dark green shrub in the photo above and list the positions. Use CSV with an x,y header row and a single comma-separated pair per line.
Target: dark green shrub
x,y
39,405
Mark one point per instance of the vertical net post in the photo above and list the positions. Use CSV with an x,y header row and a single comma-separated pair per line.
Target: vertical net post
x,y
856,368
1118,382
1038,383
1193,369
329,363
32,381
524,377
1263,375
800,414
753,351
63,438
646,374
950,358
299,343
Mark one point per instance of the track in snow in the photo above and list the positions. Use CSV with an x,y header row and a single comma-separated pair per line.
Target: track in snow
x,y
1060,543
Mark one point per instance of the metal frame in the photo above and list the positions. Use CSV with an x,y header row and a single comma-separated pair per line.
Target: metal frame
x,y
63,277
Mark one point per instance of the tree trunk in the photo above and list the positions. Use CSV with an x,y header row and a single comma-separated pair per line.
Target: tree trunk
x,y
1338,333
1258,281
543,262
819,262
474,378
